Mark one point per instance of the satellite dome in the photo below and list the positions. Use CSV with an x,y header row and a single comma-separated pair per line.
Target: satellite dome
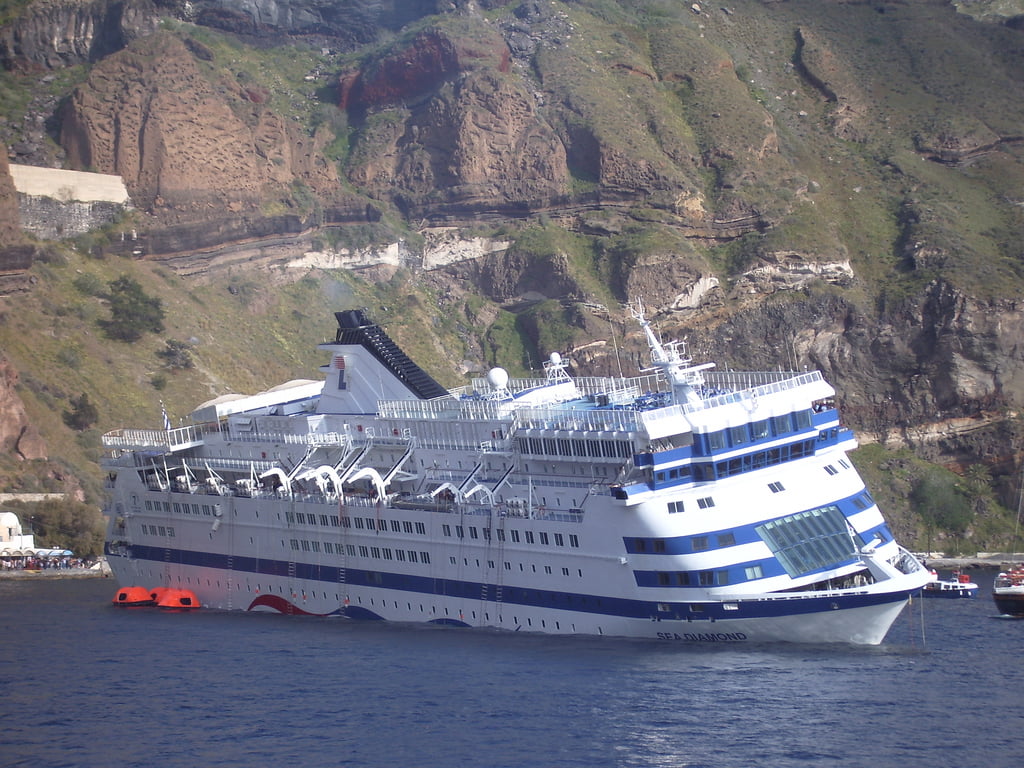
x,y
497,378
555,358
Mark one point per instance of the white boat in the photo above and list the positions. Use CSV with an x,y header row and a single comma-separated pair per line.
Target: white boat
x,y
684,504
957,586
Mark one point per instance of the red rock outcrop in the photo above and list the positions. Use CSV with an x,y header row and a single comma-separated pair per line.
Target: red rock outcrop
x,y
430,59
472,138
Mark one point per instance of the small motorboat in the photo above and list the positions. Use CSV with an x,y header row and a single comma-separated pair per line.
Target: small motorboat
x,y
959,585
1008,592
173,599
133,597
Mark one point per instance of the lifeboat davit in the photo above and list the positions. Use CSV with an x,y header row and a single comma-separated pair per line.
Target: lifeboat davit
x,y
133,596
178,600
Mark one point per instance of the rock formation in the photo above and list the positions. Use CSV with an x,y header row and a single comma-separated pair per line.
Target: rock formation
x,y
472,140
17,435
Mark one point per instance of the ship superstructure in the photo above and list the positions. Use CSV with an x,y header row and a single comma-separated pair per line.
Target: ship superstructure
x,y
686,504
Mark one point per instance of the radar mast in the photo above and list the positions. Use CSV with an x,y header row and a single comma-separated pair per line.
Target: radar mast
x,y
673,364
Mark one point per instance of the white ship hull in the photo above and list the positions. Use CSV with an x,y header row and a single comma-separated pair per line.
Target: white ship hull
x,y
728,514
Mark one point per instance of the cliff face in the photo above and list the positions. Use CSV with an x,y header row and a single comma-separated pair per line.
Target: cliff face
x,y
10,226
827,184
17,435
151,118
348,22
53,34
470,140
201,158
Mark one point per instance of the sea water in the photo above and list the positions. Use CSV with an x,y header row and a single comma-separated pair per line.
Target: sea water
x,y
86,683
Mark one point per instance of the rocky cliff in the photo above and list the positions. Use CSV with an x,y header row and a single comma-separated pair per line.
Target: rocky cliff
x,y
834,184
17,435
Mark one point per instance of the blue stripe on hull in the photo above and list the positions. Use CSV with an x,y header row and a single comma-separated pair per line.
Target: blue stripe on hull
x,y
787,604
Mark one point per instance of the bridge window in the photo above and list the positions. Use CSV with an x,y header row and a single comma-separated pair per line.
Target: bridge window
x,y
716,441
738,435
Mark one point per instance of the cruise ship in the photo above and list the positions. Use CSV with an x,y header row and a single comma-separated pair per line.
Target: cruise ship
x,y
685,504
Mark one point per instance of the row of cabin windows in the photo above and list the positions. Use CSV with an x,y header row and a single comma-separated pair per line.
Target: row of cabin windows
x,y
513,535
308,518
380,524
752,432
180,508
705,578
697,543
547,569
378,553
575,447
703,473
362,523
159,530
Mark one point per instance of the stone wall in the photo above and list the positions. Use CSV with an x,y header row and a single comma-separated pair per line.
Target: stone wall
x,y
54,204
51,219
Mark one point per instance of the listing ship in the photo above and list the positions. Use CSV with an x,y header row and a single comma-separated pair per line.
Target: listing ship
x,y
684,504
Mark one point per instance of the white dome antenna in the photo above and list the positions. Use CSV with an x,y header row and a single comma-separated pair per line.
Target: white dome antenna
x,y
498,379
555,367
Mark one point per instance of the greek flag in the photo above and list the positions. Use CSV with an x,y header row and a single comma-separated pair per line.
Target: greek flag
x,y
167,421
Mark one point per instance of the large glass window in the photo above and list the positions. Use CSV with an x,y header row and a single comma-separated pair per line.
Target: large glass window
x,y
809,541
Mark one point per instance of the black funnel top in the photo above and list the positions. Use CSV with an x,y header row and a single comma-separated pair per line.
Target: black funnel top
x,y
355,328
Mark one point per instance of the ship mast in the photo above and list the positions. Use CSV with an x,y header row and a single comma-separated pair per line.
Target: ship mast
x,y
674,364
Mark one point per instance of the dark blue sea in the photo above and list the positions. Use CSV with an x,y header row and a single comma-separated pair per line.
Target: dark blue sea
x,y
84,683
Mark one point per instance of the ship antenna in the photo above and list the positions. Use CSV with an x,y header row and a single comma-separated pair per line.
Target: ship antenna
x,y
673,364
